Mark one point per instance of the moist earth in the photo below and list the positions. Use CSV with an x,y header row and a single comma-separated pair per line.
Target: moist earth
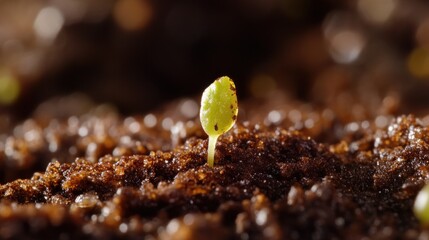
x,y
111,177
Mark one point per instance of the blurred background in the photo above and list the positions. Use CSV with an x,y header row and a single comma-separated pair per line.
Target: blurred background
x,y
367,57
86,78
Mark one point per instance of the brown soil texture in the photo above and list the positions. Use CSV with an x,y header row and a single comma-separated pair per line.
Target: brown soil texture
x,y
268,182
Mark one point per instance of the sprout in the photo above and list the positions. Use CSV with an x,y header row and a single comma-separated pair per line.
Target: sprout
x,y
218,113
421,205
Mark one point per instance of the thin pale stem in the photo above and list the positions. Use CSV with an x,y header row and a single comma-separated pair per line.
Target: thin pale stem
x,y
211,150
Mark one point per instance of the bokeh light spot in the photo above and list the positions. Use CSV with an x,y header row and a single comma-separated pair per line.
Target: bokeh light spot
x,y
418,63
48,23
132,15
422,33
346,46
9,88
377,11
345,37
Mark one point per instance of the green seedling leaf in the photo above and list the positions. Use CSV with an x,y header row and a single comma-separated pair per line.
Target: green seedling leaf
x,y
218,112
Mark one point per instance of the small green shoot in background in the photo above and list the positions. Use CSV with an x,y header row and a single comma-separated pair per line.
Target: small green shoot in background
x,y
421,205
